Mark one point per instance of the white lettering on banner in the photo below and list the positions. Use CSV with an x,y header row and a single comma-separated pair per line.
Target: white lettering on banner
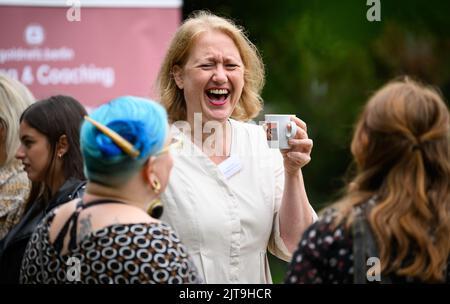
x,y
13,73
27,75
36,54
90,74
34,34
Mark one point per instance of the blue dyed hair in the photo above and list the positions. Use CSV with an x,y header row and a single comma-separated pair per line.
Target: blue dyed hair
x,y
140,121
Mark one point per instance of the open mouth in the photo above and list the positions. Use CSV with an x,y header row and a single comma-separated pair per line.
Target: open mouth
x,y
217,97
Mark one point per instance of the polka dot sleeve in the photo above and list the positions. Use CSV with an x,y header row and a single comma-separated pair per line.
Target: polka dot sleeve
x,y
324,255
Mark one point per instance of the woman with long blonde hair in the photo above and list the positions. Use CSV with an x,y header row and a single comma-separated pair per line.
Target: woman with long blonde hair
x,y
14,183
395,215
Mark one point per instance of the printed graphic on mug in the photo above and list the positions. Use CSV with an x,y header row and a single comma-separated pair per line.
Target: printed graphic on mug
x,y
272,131
279,129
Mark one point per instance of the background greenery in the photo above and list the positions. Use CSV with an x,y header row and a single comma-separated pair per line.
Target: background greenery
x,y
323,60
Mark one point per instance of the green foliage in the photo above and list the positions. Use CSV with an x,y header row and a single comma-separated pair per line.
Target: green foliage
x,y
324,59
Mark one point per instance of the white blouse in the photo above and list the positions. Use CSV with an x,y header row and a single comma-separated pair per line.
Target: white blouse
x,y
228,224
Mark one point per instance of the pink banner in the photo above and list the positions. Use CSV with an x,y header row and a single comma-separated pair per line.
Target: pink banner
x,y
108,53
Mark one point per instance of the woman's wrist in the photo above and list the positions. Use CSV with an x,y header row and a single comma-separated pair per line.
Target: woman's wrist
x,y
293,173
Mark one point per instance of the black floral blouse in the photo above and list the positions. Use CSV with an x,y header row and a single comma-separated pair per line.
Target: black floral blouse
x,y
325,255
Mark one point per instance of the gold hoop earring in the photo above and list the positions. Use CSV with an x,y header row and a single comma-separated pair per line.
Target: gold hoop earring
x,y
155,209
156,186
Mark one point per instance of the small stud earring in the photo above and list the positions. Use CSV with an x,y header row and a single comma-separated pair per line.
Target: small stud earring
x,y
156,186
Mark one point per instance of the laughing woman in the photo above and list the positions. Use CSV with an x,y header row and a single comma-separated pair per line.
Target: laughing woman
x,y
230,197
50,153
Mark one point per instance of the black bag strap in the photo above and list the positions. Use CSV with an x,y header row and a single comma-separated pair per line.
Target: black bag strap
x,y
364,245
73,220
359,263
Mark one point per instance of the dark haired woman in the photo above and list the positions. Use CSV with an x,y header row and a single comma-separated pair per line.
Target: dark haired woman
x,y
50,153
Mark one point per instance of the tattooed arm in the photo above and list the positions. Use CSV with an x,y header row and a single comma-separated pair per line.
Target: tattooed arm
x,y
85,227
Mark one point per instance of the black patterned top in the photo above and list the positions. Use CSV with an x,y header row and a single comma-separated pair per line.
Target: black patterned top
x,y
120,253
325,255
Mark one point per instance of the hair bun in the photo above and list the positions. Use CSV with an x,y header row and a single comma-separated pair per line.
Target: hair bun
x,y
133,131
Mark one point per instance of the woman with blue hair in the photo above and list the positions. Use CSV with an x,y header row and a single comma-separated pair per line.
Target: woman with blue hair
x,y
107,236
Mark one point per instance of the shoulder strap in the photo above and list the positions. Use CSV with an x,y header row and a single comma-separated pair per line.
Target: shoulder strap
x,y
364,246
359,267
73,219
59,241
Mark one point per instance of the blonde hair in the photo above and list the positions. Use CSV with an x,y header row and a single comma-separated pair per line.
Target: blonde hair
x,y
14,99
250,103
401,147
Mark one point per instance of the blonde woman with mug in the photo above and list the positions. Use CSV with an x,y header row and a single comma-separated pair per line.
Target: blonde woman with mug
x,y
230,197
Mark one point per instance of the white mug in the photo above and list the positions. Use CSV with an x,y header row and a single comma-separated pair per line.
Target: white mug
x,y
277,132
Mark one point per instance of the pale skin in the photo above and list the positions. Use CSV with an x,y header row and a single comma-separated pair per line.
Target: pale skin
x,y
34,152
98,217
215,63
295,213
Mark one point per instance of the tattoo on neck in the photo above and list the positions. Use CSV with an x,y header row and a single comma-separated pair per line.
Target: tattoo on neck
x,y
85,227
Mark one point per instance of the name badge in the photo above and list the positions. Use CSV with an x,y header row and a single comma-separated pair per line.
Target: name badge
x,y
230,166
